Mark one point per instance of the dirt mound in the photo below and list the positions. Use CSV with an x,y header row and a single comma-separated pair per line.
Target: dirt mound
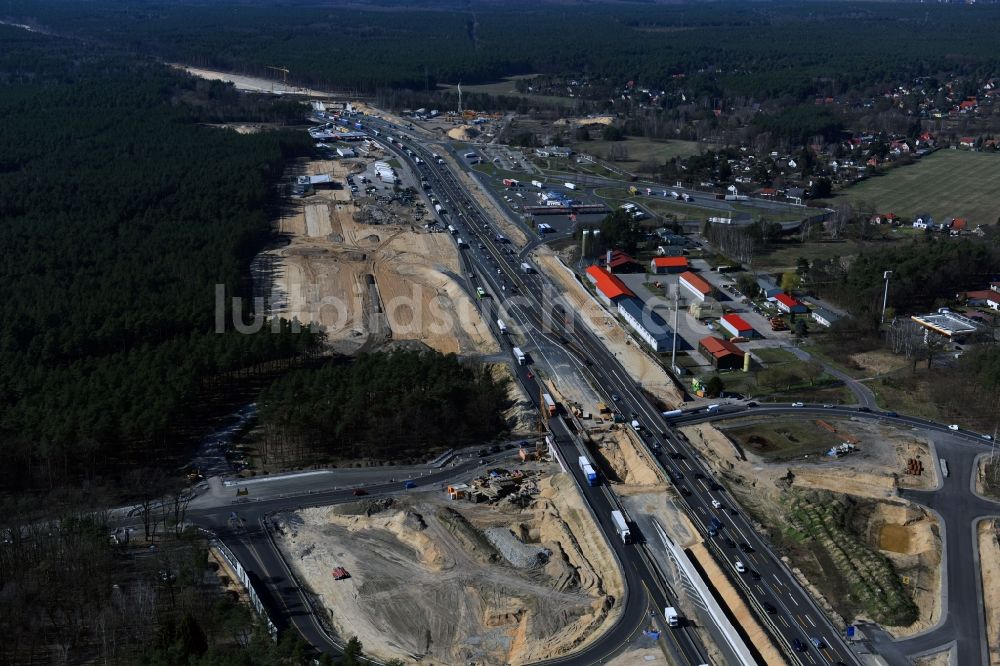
x,y
621,453
463,133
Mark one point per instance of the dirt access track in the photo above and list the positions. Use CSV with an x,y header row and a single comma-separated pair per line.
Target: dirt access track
x,y
367,284
428,585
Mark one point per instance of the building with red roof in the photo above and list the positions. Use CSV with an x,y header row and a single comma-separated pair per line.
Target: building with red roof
x,y
609,287
736,326
790,304
723,353
620,262
695,286
662,265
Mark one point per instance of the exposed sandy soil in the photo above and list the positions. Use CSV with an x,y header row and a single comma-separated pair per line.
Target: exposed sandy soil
x,y
463,133
639,657
903,532
989,562
639,365
618,449
521,417
427,587
731,598
936,659
909,536
250,82
368,284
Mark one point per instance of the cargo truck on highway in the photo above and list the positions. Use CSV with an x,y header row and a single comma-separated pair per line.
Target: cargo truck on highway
x,y
550,404
502,326
537,183
588,471
519,355
621,527
671,616
672,413
526,267
438,209
570,186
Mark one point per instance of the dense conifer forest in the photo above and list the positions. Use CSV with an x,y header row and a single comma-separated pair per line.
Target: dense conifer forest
x,y
759,50
119,213
382,406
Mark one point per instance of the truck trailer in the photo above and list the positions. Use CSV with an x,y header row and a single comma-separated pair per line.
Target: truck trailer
x,y
621,526
588,471
570,186
526,268
672,413
502,326
537,183
550,404
519,355
671,616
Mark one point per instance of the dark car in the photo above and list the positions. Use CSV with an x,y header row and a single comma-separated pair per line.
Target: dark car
x,y
798,645
715,486
685,491
863,409
699,475
755,574
358,492
769,608
746,548
730,543
891,414
751,404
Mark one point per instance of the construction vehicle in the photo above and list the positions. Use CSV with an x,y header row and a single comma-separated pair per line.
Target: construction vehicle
x,y
778,324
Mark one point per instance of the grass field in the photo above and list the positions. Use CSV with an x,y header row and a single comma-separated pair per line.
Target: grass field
x,y
781,439
640,149
507,89
946,184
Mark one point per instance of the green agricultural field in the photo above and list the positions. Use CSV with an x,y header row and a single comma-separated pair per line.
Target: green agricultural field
x,y
946,184
639,149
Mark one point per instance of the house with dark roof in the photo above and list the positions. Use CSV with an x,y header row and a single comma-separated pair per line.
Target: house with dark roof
x,y
723,353
617,261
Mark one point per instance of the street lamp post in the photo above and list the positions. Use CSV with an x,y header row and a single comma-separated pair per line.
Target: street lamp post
x,y
885,297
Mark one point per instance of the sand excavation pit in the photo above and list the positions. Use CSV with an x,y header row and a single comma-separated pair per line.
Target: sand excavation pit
x,y
618,451
427,586
366,285
910,538
642,367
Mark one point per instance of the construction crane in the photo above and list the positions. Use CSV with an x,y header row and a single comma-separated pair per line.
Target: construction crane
x,y
284,73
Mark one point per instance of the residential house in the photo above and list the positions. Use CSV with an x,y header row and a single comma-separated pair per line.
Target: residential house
x,y
790,304
885,218
617,261
923,221
824,317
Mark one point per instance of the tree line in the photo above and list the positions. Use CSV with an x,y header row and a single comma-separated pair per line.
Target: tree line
x,y
390,406
120,214
743,53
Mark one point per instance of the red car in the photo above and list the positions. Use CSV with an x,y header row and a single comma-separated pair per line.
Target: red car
x,y
358,492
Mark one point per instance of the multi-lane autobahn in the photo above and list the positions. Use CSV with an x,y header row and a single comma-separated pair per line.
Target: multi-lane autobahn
x,y
544,320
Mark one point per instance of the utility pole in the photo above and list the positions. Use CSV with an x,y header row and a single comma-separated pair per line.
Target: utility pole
x,y
885,298
673,350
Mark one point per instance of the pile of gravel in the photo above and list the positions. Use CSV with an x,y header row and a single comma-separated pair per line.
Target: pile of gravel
x,y
518,553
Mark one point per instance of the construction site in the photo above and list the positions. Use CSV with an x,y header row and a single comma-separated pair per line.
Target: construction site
x,y
506,568
864,552
368,267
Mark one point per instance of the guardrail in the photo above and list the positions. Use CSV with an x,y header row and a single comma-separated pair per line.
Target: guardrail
x,y
244,578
